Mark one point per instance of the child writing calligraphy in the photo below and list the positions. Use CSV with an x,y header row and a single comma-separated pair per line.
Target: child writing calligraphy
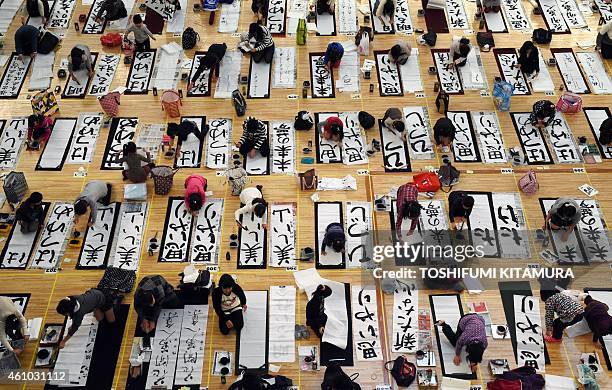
x,y
195,193
229,302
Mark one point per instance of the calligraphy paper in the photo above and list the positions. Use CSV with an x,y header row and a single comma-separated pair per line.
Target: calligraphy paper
x,y
515,14
402,19
297,10
99,238
412,240
570,251
52,242
78,88
596,116
168,68
281,345
140,72
326,213
434,228
121,131
507,61
284,67
481,224
464,145
562,140
8,10
511,226
366,330
260,75
328,151
593,231
190,360
283,148
489,134
529,335
163,8
531,139
354,142
380,26
394,149
218,142
122,24
389,81
205,239
201,86
473,74
553,17
326,24
62,14
457,17
418,132
321,79
596,72
405,312
42,72
177,232
571,13
275,21
347,16
129,241
85,138
348,72
177,23
543,82
91,25
165,349
252,341
12,138
105,72
447,76
229,18
190,155
605,9
229,72
410,73
252,241
358,227
56,148
258,165
14,76
19,246
495,22
282,235
570,71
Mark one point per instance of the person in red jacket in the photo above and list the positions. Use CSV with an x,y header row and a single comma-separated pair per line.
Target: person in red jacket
x,y
39,130
331,129
195,193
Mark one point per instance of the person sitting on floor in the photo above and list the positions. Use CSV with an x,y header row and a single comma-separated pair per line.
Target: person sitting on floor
x,y
471,334
153,294
394,120
259,43
26,41
604,40
529,60
568,311
459,50
384,11
142,35
487,6
135,172
563,215
315,314
543,113
605,132
34,9
111,10
254,138
444,132
334,237
331,129
95,191
400,52
14,325
253,202
80,59
597,317
326,6
408,207
77,306
211,60
182,131
39,130
195,193
460,206
260,10
333,55
229,302
30,213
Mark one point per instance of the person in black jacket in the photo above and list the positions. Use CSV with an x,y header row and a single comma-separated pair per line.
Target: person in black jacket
x,y
229,302
111,10
153,294
444,132
30,213
529,60
315,316
334,237
460,207
543,113
211,60
605,132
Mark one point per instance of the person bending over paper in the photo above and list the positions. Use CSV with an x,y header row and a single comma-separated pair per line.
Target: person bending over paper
x,y
542,114
253,202
229,301
13,324
258,41
95,191
210,61
254,138
563,215
334,237
153,294
332,129
471,334
315,315
408,207
597,317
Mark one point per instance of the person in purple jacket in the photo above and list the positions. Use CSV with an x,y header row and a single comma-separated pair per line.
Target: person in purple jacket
x,y
470,334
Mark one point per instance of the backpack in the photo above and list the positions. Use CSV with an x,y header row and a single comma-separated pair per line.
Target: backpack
x,y
529,183
336,379
541,35
366,120
448,176
190,38
48,41
239,103
303,121
485,38
402,371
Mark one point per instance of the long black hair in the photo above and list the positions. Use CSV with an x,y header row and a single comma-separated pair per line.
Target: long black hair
x,y
256,31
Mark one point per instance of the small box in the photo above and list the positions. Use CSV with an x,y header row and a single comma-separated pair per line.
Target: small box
x,y
427,379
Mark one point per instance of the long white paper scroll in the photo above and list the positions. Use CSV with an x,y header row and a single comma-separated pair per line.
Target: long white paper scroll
x,y
328,151
201,86
326,213
465,148
570,71
167,70
218,143
394,149
473,73
253,340
448,76
177,23
405,317
379,26
605,9
553,16
489,134
348,73
418,130
259,80
177,232
283,147
62,14
99,238
596,72
85,138
569,251
389,81
543,82
91,25
282,235
321,79
252,241
129,241
259,164
281,345
562,140
531,139
13,136
401,19
346,10
359,231
78,88
515,14
354,141
229,18
495,22
140,72
14,76
506,62
105,72
122,131
191,351
435,229
511,227
191,149
571,13
52,242
529,335
229,72
593,231
52,158
284,67
596,116
410,73
19,246
457,18
482,224
164,349
277,10
42,72
326,24
366,330
205,241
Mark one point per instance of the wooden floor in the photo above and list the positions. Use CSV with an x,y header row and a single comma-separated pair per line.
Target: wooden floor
x,y
557,180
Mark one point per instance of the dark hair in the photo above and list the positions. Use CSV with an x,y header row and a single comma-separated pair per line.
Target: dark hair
x,y
143,298
322,291
399,125
338,245
566,212
467,202
528,45
548,109
129,148
337,131
35,197
209,61
66,306
137,19
226,281
464,47
34,119
76,55
475,351
195,201
588,299
411,209
252,124
260,207
396,51
333,54
255,31
389,8
80,207
13,327
172,129
605,134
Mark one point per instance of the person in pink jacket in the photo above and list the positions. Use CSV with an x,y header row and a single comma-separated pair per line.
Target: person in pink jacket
x,y
195,193
39,130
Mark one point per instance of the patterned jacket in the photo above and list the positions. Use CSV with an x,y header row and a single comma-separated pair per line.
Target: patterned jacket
x,y
564,305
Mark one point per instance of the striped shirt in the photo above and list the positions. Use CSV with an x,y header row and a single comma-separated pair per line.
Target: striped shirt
x,y
259,136
406,193
566,307
266,41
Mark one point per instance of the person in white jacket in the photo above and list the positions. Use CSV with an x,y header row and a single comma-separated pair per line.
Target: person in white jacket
x,y
252,201
13,323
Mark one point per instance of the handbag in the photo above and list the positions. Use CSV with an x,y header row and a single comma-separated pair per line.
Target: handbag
x,y
239,103
448,176
171,103
44,103
485,38
110,103
336,379
528,183
402,371
569,103
442,101
111,39
163,178
190,38
426,182
308,180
